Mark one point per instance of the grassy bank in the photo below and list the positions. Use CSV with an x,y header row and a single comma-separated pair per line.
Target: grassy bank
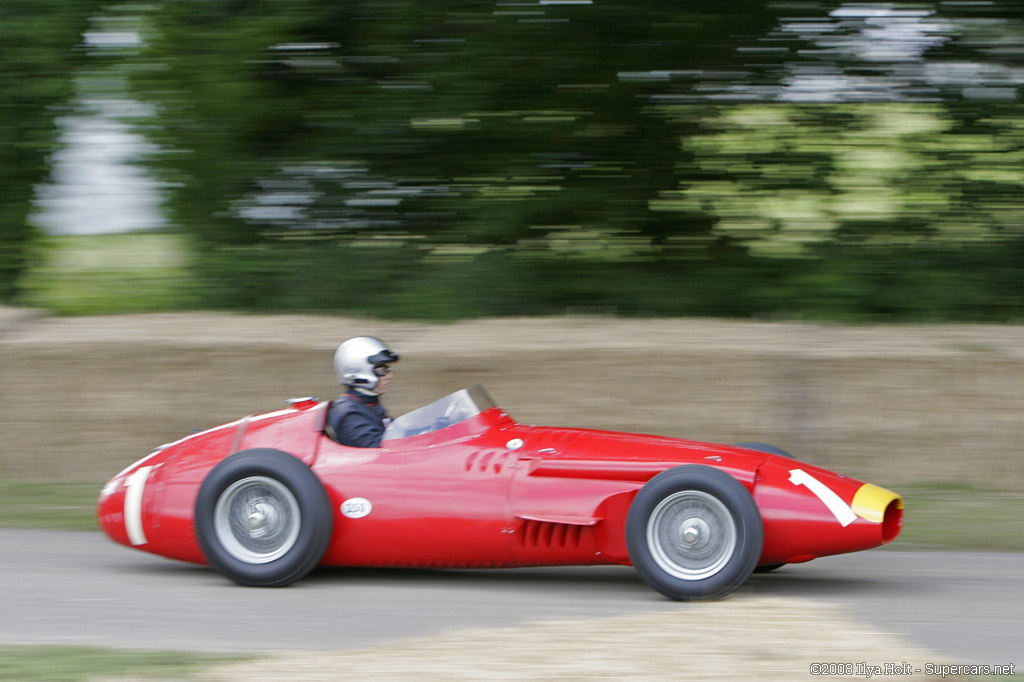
x,y
39,504
938,515
955,516
66,664
109,273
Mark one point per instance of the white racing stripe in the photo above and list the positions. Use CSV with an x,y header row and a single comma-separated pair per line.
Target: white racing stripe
x,y
844,515
134,485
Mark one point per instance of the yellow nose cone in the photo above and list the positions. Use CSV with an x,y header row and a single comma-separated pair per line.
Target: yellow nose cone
x,y
871,501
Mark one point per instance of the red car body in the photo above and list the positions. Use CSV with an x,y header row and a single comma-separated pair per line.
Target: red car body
x,y
478,489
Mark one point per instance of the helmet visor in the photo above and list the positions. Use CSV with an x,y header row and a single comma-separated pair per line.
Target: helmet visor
x,y
383,358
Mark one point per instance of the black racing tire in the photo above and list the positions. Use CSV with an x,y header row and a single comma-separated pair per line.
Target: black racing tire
x,y
263,518
765,447
694,532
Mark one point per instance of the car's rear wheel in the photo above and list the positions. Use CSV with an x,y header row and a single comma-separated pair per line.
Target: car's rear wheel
x,y
263,518
694,532
765,447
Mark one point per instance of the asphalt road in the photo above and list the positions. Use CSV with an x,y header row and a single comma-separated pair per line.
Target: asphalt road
x,y
79,588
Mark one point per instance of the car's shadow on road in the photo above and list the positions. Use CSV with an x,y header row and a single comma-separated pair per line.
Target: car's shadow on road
x,y
597,577
621,581
791,581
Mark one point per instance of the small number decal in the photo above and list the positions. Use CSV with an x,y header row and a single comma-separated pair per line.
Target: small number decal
x,y
356,508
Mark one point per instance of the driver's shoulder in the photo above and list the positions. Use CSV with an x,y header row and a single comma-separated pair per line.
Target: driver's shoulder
x,y
347,404
343,405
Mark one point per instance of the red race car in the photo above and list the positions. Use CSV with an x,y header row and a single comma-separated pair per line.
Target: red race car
x,y
459,483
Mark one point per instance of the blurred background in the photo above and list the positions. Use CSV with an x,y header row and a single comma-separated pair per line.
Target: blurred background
x,y
790,221
841,161
619,170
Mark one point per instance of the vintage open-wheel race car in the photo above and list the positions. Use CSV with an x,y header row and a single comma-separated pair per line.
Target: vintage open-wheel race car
x,y
459,483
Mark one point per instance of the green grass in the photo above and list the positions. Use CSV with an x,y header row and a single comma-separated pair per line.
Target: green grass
x,y
68,664
956,516
115,273
44,504
938,515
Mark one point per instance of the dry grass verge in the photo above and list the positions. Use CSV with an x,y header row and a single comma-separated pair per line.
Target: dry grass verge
x,y
760,638
82,397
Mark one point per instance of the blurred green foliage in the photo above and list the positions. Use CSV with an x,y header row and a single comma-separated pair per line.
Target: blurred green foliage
x,y
442,160
38,55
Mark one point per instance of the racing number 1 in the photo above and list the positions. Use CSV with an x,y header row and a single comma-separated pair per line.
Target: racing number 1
x,y
844,515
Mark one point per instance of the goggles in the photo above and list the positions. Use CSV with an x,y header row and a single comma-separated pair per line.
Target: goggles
x,y
381,370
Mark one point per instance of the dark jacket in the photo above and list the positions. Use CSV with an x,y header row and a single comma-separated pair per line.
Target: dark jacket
x,y
358,420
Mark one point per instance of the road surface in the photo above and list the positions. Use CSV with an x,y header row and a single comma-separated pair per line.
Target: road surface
x,y
79,588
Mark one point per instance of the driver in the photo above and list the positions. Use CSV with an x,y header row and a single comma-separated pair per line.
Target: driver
x,y
357,418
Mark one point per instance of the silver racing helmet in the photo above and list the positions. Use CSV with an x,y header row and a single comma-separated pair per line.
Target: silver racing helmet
x,y
357,360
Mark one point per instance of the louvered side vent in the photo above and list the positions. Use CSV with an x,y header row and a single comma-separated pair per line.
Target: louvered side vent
x,y
487,462
545,535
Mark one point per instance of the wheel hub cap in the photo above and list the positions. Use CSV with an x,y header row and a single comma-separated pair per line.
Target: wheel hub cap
x,y
257,519
691,535
262,519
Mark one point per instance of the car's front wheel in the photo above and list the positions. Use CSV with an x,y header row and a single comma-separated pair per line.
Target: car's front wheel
x,y
263,518
694,532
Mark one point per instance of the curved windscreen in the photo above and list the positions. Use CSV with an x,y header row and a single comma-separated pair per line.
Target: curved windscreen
x,y
451,409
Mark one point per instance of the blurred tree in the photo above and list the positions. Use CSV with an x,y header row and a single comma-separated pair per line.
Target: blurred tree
x,y
882,161
402,152
784,178
40,44
411,158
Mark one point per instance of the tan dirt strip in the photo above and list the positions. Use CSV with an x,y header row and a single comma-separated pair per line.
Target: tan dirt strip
x,y
744,637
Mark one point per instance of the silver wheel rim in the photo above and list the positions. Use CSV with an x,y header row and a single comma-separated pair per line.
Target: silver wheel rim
x,y
257,520
691,535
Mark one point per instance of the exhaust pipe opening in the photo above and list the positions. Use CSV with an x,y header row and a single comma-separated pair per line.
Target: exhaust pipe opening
x,y
892,521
